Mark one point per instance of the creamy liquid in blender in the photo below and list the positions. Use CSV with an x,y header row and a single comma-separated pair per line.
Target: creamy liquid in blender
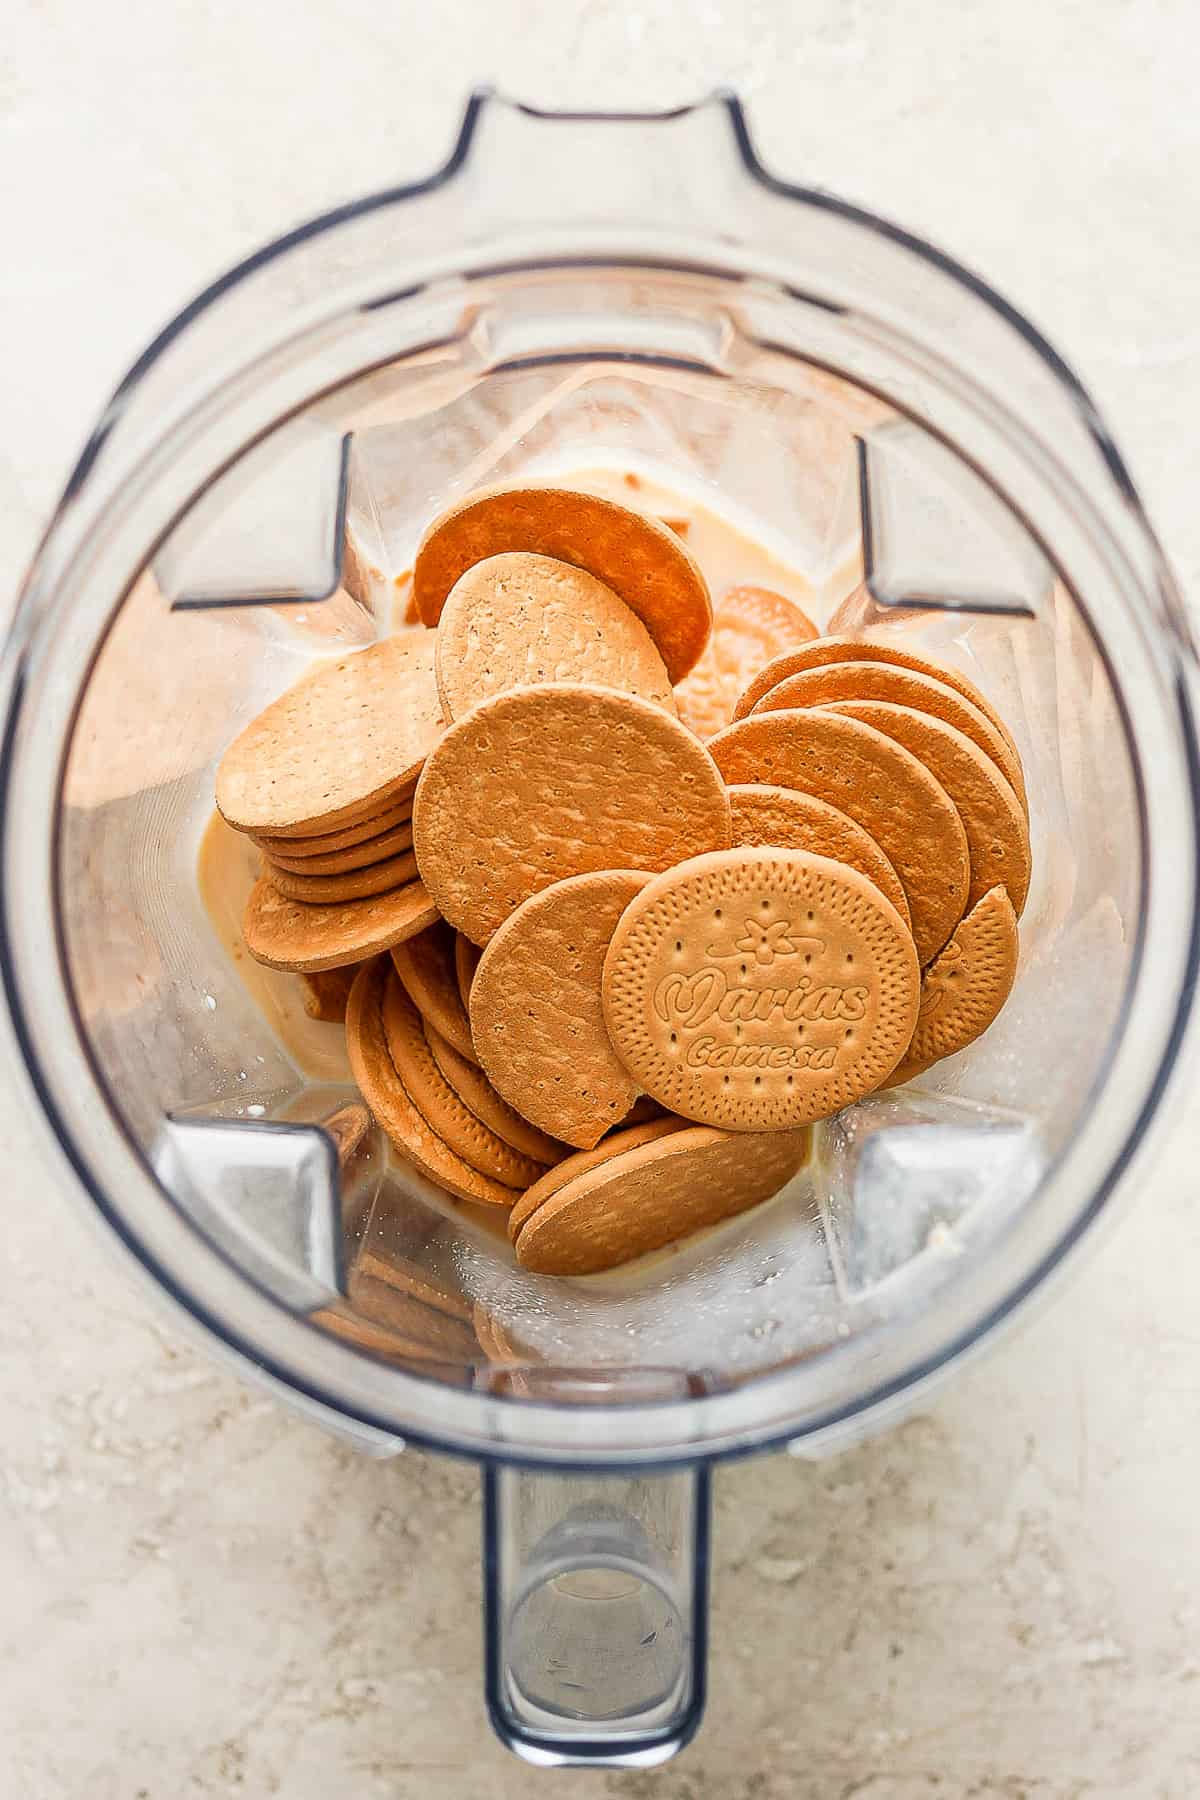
x,y
228,863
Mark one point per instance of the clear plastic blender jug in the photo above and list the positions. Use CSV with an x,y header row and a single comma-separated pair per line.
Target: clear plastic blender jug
x,y
631,295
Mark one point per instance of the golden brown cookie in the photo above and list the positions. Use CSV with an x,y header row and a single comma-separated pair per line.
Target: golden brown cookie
x,y
851,649
421,1281
516,620
649,1197
355,884
436,1100
476,1091
466,961
388,1099
541,783
644,564
760,989
630,1137
425,964
899,687
326,993
751,626
536,1013
995,824
883,788
385,1342
398,813
372,850
338,746
964,989
794,821
424,1329
287,934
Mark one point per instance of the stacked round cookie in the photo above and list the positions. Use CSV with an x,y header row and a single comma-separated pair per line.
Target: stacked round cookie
x,y
660,888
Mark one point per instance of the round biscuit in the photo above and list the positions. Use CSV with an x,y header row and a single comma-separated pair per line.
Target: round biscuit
x,y
996,827
287,934
341,744
537,1019
883,788
516,619
900,687
541,783
751,626
354,884
649,1197
623,1138
342,862
760,989
476,1091
645,564
348,837
381,1087
436,1100
425,964
795,821
853,649
965,987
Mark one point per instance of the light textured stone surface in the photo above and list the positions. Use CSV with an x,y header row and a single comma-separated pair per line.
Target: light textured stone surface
x,y
204,1597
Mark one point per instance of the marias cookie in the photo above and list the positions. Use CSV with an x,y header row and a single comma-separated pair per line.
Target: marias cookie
x,y
354,884
339,746
385,1093
993,818
537,1020
751,626
645,564
787,820
882,786
964,989
517,620
541,783
899,687
645,1198
760,989
848,649
426,965
287,934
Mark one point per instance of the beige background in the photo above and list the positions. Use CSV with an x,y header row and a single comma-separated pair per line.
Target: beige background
x,y
203,1597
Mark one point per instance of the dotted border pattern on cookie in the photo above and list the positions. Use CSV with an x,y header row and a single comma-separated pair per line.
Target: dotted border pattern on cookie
x,y
908,813
677,902
842,838
982,957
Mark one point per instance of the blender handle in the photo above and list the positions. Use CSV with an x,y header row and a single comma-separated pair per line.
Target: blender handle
x,y
595,1613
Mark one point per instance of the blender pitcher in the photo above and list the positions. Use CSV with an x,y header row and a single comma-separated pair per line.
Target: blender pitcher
x,y
630,297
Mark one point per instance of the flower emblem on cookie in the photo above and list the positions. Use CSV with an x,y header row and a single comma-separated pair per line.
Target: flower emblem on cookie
x,y
765,939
